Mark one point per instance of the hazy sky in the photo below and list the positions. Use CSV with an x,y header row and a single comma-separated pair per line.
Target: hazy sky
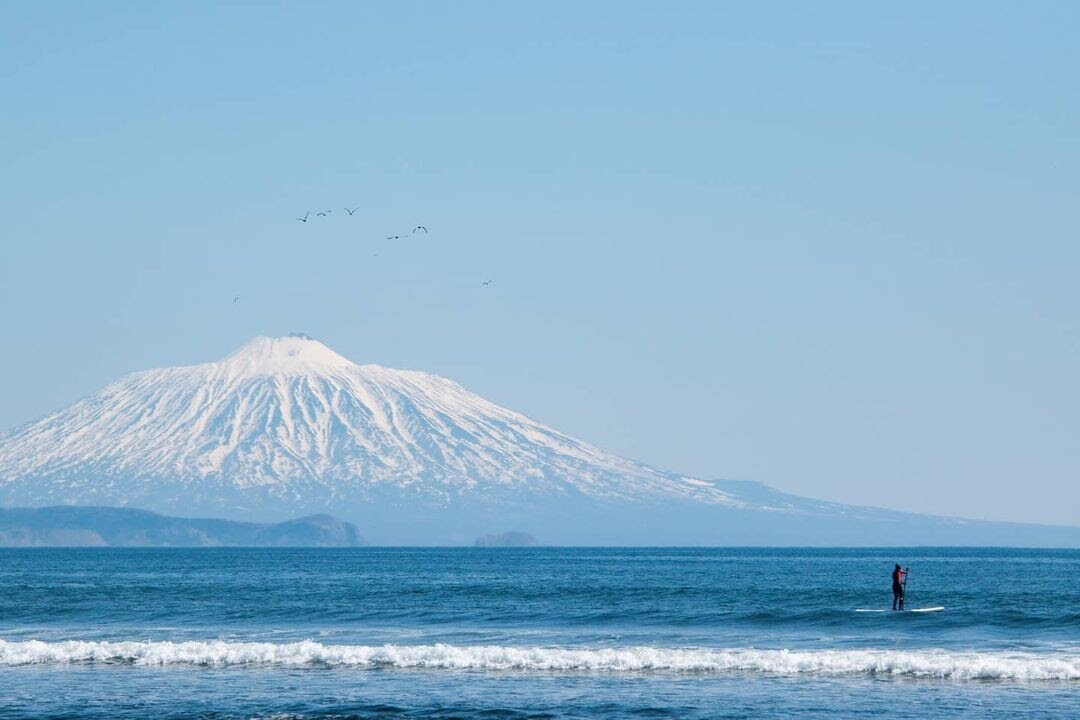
x,y
834,248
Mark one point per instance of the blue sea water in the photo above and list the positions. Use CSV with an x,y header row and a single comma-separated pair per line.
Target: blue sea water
x,y
536,633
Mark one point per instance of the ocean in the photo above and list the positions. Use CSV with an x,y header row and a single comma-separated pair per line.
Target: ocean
x,y
537,633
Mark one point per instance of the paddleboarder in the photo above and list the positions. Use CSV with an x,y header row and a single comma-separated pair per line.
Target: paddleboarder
x,y
899,578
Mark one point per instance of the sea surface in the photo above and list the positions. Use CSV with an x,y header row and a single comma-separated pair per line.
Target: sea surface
x,y
537,633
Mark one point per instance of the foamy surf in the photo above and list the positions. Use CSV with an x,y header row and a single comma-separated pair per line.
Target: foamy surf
x,y
943,664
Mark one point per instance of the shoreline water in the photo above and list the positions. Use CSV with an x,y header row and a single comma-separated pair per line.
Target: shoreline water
x,y
535,632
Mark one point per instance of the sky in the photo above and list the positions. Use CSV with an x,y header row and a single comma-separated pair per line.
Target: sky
x,y
830,247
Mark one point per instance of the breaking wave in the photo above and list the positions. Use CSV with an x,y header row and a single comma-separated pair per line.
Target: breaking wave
x,y
943,664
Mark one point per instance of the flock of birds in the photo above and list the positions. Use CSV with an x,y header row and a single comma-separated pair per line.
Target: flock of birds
x,y
351,212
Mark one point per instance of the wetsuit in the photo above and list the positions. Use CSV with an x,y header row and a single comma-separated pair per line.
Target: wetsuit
x,y
898,589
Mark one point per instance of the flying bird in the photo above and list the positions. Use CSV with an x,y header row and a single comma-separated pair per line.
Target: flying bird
x,y
486,282
352,212
304,219
393,237
236,298
419,227
324,213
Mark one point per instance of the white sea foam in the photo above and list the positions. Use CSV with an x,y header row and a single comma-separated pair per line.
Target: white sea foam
x,y
943,664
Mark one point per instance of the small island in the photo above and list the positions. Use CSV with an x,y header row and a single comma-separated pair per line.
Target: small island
x,y
506,539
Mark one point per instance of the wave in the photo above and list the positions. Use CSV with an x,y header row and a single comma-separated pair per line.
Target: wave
x,y
942,664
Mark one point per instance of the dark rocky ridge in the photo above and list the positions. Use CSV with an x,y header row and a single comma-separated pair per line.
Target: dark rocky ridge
x,y
69,526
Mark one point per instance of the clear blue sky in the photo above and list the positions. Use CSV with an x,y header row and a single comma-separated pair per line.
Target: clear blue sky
x,y
831,247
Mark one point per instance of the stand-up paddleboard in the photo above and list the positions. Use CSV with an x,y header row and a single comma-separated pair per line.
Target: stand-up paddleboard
x,y
907,573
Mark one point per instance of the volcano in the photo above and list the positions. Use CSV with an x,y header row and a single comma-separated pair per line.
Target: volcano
x,y
285,426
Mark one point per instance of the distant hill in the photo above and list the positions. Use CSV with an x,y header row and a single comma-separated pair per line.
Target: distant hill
x,y
122,527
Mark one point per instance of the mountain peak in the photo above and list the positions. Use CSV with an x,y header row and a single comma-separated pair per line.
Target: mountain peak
x,y
285,425
293,354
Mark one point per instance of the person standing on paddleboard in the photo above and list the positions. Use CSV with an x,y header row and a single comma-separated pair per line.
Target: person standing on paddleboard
x,y
898,577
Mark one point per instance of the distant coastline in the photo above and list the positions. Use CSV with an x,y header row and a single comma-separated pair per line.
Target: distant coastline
x,y
75,526
827,526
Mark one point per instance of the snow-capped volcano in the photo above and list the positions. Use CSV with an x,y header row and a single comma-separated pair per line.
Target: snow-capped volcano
x,y
285,427
286,424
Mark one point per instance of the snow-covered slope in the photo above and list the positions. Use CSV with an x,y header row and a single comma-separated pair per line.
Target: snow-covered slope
x,y
286,425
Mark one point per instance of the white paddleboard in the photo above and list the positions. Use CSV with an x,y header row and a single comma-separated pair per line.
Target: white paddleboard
x,y
914,610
